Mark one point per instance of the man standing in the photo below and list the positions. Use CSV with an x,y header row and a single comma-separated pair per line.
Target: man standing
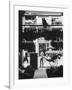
x,y
41,60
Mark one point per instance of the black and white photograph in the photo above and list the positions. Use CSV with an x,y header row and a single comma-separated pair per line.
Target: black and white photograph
x,y
36,45
40,44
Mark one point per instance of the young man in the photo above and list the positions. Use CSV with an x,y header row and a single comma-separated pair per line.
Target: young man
x,y
41,60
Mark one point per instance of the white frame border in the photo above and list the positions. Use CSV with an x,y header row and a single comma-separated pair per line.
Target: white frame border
x,y
12,79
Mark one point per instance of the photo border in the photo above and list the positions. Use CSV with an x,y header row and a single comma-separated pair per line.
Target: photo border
x,y
12,77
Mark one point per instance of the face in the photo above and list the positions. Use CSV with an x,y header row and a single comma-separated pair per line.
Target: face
x,y
48,55
42,54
